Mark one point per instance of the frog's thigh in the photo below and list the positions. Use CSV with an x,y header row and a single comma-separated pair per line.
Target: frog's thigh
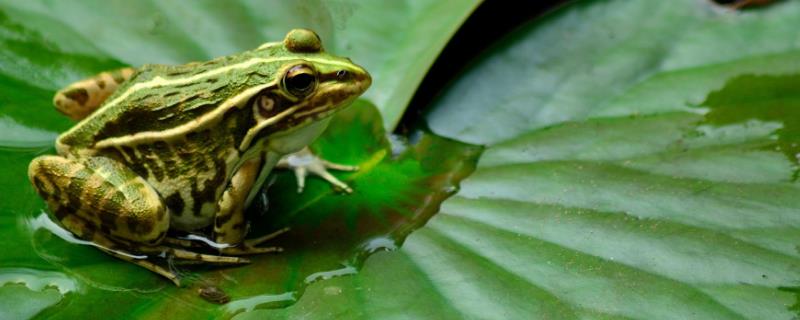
x,y
229,224
108,196
81,98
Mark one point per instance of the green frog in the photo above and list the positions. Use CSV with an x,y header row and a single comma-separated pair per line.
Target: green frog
x,y
163,149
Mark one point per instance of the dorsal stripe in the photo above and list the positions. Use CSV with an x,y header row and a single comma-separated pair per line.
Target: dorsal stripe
x,y
160,81
149,136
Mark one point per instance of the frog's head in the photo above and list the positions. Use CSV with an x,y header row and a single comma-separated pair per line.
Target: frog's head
x,y
308,86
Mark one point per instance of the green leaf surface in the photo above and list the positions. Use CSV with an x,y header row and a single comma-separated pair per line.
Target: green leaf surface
x,y
641,163
45,271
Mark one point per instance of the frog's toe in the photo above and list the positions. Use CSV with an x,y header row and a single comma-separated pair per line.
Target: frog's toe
x,y
207,258
251,246
245,250
302,172
338,166
304,162
322,172
258,241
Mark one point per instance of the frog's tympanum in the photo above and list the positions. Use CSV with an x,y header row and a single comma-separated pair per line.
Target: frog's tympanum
x,y
184,149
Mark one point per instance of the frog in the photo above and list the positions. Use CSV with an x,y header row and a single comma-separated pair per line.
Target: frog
x,y
165,149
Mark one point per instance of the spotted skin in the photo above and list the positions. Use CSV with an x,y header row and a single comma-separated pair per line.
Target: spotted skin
x,y
103,193
229,223
81,98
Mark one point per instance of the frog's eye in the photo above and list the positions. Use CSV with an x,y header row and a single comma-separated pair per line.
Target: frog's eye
x,y
300,81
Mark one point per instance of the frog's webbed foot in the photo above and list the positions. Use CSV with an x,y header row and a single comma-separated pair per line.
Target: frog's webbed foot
x,y
251,246
304,161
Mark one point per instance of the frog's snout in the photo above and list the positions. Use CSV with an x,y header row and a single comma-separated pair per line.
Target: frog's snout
x,y
362,78
367,80
354,77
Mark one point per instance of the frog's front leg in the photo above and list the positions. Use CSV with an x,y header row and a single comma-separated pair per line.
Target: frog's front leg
x,y
305,161
229,223
81,98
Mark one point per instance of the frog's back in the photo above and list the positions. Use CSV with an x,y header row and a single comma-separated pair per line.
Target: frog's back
x,y
157,98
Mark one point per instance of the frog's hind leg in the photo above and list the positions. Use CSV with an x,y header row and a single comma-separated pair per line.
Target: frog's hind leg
x,y
86,231
99,200
81,98
104,202
104,193
124,250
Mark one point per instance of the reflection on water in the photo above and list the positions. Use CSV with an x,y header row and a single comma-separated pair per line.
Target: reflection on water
x,y
325,275
38,280
206,241
378,244
260,301
43,221
25,292
761,98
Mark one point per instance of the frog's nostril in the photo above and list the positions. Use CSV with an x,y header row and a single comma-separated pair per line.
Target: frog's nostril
x,y
342,74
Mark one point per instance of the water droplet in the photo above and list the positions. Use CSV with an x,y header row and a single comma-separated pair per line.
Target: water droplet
x,y
382,243
260,301
325,275
38,280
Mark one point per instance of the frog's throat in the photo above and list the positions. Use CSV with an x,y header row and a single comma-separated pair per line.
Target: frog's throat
x,y
248,138
208,119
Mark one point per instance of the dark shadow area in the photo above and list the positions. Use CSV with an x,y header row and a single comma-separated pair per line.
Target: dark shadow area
x,y
491,21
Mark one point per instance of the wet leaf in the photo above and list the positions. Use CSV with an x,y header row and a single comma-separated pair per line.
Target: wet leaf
x,y
641,164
